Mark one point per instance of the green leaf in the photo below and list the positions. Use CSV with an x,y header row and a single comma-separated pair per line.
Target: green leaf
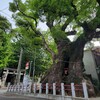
x,y
12,7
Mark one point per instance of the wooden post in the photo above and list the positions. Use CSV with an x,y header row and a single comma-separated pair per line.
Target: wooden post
x,y
46,88
40,88
19,66
73,90
54,88
85,90
62,89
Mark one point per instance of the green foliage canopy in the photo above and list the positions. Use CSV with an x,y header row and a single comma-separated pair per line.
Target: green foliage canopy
x,y
5,42
63,18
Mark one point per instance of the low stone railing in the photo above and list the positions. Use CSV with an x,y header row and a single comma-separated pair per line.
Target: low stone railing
x,y
54,89
19,88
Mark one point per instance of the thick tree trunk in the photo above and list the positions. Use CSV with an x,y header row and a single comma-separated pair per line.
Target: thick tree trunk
x,y
56,73
68,63
75,73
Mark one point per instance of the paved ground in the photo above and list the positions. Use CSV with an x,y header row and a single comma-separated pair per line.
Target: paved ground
x,y
17,97
3,90
6,96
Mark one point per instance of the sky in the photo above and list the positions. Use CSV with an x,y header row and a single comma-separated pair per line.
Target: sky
x,y
4,10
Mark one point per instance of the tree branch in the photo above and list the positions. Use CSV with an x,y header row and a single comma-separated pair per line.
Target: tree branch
x,y
64,26
71,33
88,33
97,34
26,14
44,41
66,23
47,47
50,24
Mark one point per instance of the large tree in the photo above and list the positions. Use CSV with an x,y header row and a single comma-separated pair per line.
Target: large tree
x,y
63,18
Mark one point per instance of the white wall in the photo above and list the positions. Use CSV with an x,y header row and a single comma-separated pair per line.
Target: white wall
x,y
90,65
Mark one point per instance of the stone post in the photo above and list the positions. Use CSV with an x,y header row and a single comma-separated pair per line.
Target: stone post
x,y
73,90
85,90
47,88
54,89
40,88
62,89
34,88
8,87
